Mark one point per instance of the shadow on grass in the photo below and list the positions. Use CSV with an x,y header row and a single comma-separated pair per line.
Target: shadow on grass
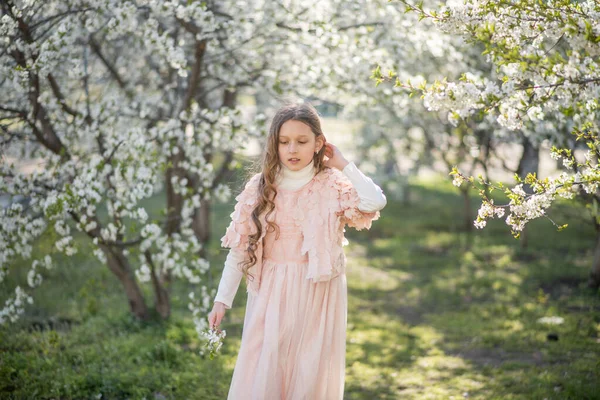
x,y
436,312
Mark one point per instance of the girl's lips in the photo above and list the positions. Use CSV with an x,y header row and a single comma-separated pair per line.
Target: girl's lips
x,y
294,160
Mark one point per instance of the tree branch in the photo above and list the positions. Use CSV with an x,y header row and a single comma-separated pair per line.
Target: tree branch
x,y
195,75
111,68
60,97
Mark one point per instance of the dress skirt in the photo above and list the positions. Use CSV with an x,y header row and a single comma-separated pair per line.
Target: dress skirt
x,y
294,338
294,335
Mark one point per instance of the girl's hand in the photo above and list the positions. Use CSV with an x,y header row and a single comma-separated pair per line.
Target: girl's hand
x,y
216,315
335,159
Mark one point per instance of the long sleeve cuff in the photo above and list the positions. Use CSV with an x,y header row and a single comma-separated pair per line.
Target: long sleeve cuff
x,y
371,196
230,279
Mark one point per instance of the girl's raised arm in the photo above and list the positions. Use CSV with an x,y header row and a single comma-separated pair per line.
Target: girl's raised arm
x,y
371,196
360,198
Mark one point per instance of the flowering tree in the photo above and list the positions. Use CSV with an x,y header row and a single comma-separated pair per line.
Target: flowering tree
x,y
118,100
399,135
394,127
546,59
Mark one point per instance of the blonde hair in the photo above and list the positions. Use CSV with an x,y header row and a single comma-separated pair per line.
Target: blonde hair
x,y
269,166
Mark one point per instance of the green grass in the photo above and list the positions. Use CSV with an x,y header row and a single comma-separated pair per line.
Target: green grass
x,y
434,313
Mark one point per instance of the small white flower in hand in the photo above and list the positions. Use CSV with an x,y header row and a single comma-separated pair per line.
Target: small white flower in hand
x,y
214,341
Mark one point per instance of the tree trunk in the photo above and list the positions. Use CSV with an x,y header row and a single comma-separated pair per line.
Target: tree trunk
x,y
594,281
174,203
201,218
162,303
529,164
119,265
174,199
201,225
392,172
405,192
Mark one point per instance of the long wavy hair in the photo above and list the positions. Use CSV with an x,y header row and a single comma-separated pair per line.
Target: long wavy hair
x,y
269,166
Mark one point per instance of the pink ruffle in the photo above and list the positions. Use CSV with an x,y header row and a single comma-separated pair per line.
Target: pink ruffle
x,y
349,200
241,226
330,203
325,206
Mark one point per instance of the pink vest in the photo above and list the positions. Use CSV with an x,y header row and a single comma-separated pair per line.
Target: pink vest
x,y
324,208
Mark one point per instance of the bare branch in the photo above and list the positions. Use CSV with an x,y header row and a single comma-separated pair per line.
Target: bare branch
x,y
60,15
195,75
111,68
60,97
343,28
21,113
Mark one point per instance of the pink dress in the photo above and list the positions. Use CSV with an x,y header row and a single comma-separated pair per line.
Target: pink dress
x,y
294,335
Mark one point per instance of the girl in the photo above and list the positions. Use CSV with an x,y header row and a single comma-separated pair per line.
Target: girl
x,y
286,237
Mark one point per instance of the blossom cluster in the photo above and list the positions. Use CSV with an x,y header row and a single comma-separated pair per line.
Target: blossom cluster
x,y
214,341
15,306
546,80
123,130
213,337
109,134
96,145
525,206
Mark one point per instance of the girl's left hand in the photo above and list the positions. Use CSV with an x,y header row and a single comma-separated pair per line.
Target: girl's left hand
x,y
335,159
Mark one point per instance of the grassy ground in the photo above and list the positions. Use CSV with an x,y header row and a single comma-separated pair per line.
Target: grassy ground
x,y
434,313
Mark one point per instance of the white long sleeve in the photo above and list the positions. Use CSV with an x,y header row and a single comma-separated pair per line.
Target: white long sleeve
x,y
371,196
371,199
231,278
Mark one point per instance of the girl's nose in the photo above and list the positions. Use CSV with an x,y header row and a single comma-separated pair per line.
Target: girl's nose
x,y
292,148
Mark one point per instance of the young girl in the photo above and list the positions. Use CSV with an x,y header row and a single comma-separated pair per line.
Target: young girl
x,y
286,237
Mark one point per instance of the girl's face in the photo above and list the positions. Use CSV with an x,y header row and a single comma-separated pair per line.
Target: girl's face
x,y
297,144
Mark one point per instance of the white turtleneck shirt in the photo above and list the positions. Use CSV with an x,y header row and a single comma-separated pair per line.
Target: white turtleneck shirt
x,y
371,199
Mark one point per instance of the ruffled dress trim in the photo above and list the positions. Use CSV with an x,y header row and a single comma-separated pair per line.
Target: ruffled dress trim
x,y
325,205
329,204
241,226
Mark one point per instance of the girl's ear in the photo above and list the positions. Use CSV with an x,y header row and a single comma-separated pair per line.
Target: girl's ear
x,y
320,142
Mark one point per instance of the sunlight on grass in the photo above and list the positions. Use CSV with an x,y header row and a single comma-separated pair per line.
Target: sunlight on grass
x,y
461,313
433,313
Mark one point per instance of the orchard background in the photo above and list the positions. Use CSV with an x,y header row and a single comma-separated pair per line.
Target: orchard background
x,y
127,127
